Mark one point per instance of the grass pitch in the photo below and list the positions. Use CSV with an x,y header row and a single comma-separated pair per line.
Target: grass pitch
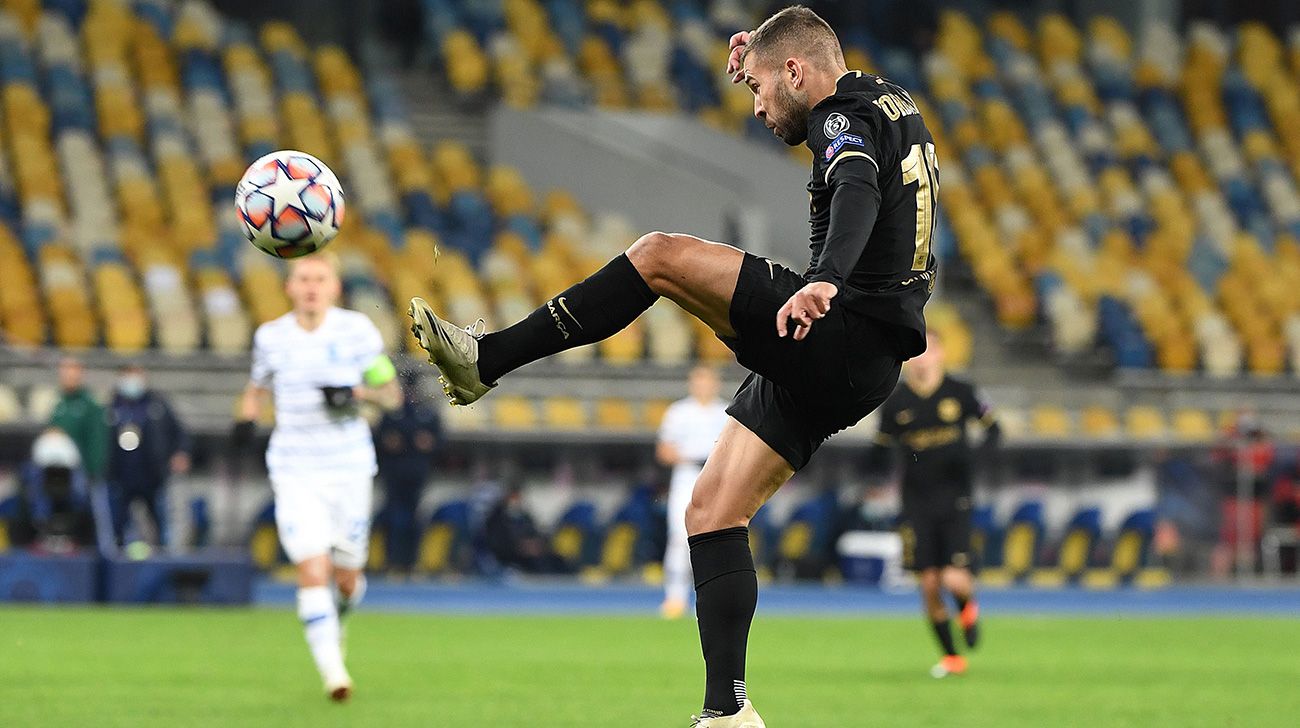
x,y
169,667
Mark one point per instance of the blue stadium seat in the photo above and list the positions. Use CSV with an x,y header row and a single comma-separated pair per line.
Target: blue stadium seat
x,y
446,543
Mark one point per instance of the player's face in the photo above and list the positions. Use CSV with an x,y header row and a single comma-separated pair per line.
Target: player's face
x,y
929,363
70,375
781,106
312,286
704,384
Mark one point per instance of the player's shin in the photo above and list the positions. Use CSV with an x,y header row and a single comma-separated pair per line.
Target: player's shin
x,y
596,308
320,621
726,593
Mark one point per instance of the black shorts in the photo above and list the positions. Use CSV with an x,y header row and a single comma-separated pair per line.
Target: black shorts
x,y
802,392
933,541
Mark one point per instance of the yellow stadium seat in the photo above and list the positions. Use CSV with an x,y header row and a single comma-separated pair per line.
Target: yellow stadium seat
x,y
1144,422
512,412
1051,421
1193,425
615,413
563,413
1098,421
652,413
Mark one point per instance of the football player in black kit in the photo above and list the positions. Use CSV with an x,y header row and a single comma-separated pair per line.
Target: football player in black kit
x,y
925,420
824,347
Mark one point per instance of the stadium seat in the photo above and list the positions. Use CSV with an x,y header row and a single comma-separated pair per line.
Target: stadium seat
x,y
1193,425
1130,557
1075,551
264,542
10,409
514,413
41,400
563,414
573,539
444,544
1021,541
1051,422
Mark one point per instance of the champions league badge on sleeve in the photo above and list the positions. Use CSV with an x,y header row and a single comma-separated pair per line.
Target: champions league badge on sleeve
x,y
836,124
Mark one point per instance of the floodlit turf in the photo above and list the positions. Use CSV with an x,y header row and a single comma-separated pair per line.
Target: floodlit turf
x,y
165,667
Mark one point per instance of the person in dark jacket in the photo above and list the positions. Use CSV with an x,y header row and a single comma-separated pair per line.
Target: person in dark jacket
x,y
53,505
407,440
149,445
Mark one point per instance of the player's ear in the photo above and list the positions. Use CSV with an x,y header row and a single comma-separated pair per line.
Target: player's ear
x,y
794,71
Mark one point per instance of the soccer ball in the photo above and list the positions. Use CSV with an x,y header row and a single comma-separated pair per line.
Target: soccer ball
x,y
290,204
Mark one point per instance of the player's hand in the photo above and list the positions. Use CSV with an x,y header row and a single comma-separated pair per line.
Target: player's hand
x,y
734,67
338,398
808,304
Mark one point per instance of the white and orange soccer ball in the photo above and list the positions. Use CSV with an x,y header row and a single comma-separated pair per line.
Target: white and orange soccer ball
x,y
290,204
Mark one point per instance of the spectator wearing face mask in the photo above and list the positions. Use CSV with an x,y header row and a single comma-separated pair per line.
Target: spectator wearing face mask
x,y
148,444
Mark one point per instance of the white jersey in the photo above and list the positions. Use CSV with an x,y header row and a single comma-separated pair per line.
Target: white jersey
x,y
692,427
294,364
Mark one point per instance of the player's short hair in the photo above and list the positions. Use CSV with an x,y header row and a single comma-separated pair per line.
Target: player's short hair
x,y
796,30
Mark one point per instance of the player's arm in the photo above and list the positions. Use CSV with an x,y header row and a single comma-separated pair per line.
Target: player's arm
x,y
256,394
978,409
249,410
851,174
380,385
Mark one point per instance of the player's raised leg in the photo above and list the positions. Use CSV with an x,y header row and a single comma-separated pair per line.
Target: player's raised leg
x,y
960,583
698,275
937,612
740,475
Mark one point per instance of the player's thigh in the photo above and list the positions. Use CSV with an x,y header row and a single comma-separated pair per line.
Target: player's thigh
x,y
351,501
302,518
921,544
956,539
740,475
696,274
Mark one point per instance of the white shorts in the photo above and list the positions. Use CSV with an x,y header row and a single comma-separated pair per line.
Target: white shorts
x,y
324,515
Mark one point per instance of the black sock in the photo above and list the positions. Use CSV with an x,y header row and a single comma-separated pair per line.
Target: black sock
x,y
591,310
961,602
726,593
944,633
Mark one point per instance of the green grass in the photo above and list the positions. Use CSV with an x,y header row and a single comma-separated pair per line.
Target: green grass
x,y
164,667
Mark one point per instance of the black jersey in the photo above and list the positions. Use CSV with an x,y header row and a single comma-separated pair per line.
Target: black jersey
x,y
931,434
872,199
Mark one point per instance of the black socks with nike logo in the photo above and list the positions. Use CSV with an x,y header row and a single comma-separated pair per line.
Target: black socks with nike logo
x,y
726,593
593,309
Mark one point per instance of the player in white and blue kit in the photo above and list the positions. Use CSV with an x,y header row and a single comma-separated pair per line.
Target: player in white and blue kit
x,y
319,363
689,429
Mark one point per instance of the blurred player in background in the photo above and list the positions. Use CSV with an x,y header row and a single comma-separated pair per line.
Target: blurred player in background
x,y
320,362
824,347
925,421
689,429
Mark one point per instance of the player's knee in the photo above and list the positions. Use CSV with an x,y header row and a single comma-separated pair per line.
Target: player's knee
x,y
653,255
704,517
346,579
313,572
